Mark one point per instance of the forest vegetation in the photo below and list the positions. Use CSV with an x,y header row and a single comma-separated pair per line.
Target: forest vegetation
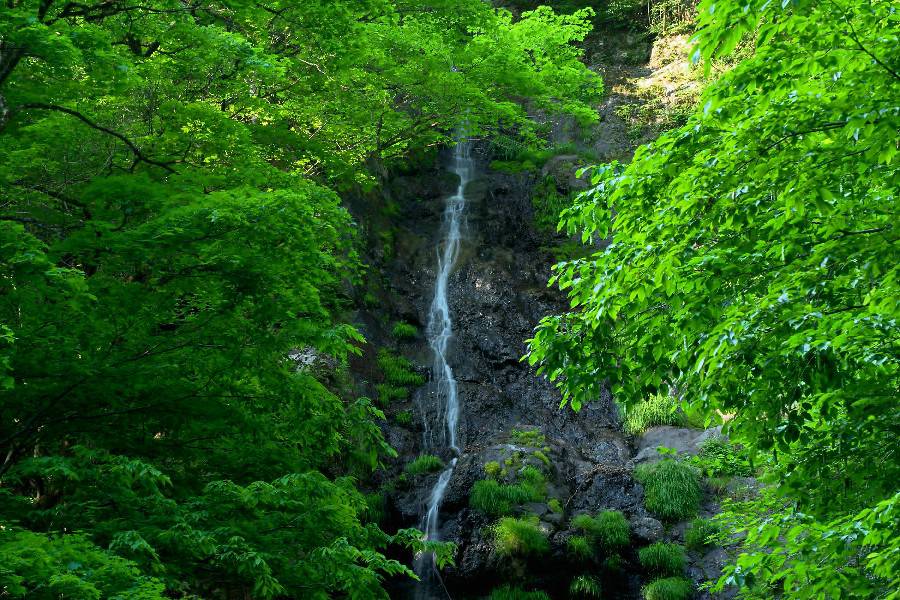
x,y
175,242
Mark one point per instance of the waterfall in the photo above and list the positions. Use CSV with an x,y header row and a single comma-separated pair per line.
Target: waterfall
x,y
439,331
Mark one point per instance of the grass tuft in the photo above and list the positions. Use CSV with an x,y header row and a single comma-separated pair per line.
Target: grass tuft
x,y
512,593
397,370
585,586
580,547
671,489
520,537
671,588
610,528
697,536
426,463
531,437
662,559
404,331
659,409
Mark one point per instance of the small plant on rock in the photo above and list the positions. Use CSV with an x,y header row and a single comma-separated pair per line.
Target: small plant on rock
x,y
554,506
720,458
697,536
670,588
662,559
403,330
610,528
585,586
496,499
671,489
492,469
397,370
659,409
426,463
580,547
520,537
404,418
533,438
513,593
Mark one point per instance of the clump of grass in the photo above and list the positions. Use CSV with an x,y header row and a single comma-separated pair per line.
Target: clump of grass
x,y
404,331
496,499
671,588
531,437
659,409
585,586
662,559
404,418
610,528
512,593
520,537
388,393
533,482
397,370
554,506
580,547
698,535
671,489
718,485
492,469
376,508
425,463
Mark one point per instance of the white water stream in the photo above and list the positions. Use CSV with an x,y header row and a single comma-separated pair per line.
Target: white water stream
x,y
439,331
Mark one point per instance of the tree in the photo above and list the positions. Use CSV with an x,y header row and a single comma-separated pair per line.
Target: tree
x,y
171,233
753,264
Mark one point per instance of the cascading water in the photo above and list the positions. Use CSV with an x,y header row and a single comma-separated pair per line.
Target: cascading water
x,y
439,331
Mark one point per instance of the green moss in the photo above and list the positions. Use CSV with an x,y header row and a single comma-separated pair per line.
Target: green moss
x,y
671,588
671,489
531,437
585,586
492,469
580,547
397,370
542,457
554,505
426,463
610,528
513,593
402,330
662,559
659,409
520,537
698,534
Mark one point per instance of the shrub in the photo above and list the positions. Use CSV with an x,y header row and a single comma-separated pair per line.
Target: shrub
x,y
554,506
531,437
718,457
671,489
404,418
585,586
580,547
697,536
662,559
659,409
671,588
426,463
397,370
496,499
492,469
512,593
403,330
522,537
610,528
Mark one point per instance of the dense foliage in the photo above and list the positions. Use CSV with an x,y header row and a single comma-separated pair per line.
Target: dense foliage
x,y
172,247
754,267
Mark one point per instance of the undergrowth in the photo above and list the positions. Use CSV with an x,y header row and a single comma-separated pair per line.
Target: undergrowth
x,y
425,463
609,529
513,593
585,586
659,409
662,559
670,588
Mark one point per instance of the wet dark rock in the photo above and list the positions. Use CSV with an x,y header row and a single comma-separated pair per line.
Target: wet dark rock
x,y
647,529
